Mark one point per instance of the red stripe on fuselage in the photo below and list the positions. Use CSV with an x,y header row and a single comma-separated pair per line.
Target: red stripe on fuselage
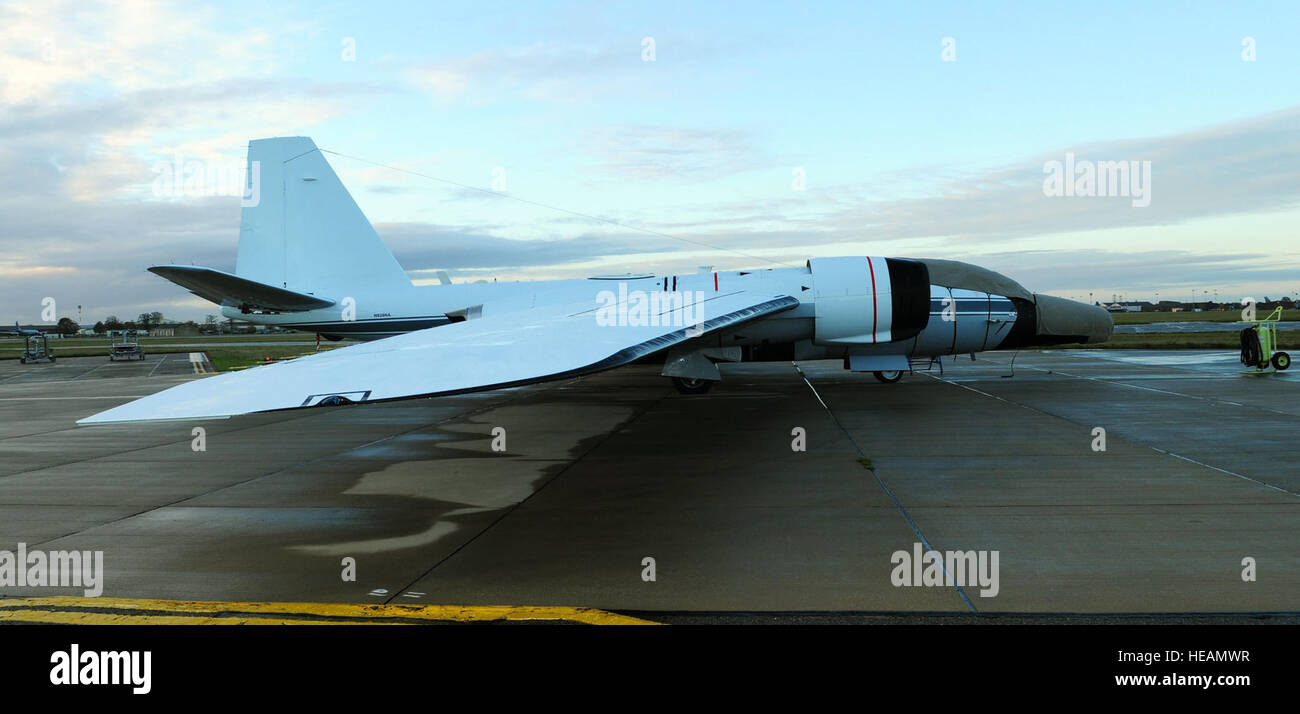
x,y
872,268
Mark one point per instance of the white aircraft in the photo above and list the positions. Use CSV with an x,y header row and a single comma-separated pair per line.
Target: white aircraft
x,y
309,260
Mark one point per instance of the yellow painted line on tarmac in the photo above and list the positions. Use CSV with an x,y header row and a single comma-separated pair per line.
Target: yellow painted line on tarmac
x,y
74,617
329,613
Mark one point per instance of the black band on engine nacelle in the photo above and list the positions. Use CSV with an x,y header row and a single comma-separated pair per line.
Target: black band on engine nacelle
x,y
909,282
1024,332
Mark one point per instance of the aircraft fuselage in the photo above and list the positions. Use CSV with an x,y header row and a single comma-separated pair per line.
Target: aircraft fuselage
x,y
960,320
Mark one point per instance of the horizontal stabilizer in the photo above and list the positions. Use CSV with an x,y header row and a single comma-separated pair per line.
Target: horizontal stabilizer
x,y
504,350
233,291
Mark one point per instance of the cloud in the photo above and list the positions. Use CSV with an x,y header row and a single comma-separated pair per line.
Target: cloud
x,y
1242,167
1076,271
539,71
46,46
560,72
427,247
1239,168
669,153
91,95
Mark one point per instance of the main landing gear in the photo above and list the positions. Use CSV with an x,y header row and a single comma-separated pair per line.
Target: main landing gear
x,y
685,385
692,386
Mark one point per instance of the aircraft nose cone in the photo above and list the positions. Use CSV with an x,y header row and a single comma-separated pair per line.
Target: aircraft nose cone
x,y
1059,317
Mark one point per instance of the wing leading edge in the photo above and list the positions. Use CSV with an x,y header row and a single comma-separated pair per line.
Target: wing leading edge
x,y
490,352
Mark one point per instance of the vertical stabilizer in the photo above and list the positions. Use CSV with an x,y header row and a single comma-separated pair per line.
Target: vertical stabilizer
x,y
305,232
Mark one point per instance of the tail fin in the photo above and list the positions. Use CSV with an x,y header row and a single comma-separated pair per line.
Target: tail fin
x,y
301,230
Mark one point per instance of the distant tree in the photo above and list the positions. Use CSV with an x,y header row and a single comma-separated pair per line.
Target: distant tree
x,y
66,326
130,325
112,323
148,320
210,322
100,328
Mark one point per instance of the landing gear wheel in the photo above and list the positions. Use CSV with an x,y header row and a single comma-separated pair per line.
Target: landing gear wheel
x,y
692,386
1281,361
889,377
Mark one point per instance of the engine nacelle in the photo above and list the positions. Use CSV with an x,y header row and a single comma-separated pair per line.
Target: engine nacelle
x,y
866,301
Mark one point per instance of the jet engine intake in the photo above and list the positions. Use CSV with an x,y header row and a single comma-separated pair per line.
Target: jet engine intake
x,y
869,300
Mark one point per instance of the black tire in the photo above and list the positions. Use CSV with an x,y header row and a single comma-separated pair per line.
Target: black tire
x,y
22,360
692,386
889,376
1281,361
51,360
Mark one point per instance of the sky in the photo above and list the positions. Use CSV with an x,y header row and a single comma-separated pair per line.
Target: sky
x,y
734,135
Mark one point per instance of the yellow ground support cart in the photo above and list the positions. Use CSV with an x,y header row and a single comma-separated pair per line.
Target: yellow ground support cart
x,y
1259,346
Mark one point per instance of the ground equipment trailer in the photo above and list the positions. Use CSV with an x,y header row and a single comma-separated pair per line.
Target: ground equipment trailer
x,y
125,346
36,348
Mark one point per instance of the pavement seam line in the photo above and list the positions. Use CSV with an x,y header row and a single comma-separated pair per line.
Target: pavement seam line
x,y
1118,383
155,367
1152,447
880,482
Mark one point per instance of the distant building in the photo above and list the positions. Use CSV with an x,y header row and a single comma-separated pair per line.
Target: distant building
x,y
174,329
1130,306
